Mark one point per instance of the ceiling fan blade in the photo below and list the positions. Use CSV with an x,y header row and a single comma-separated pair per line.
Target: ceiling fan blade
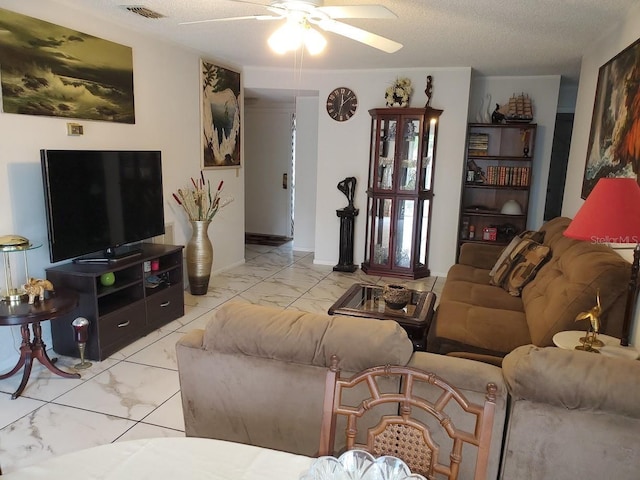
x,y
277,10
251,3
230,19
359,35
358,11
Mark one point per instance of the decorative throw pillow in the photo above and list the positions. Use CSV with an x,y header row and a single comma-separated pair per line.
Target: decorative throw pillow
x,y
529,257
534,235
503,256
503,265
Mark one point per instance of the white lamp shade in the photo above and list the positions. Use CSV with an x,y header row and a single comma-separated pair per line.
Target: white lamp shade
x,y
511,207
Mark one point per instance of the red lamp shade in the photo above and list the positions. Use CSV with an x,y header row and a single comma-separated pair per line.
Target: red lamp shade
x,y
610,214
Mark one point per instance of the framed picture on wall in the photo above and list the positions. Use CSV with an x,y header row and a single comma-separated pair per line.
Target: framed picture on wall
x,y
220,112
55,71
614,140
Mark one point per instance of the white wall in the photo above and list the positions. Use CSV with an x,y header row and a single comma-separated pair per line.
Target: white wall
x,y
599,53
306,171
343,149
544,91
166,82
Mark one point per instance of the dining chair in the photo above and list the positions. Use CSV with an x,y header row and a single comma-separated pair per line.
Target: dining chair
x,y
423,403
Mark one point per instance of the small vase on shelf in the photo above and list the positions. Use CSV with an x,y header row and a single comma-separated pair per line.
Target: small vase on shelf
x,y
199,257
487,112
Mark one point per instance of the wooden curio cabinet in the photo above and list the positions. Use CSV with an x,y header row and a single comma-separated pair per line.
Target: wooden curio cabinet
x,y
400,191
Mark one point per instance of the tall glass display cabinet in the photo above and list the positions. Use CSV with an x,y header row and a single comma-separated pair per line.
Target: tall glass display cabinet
x,y
400,191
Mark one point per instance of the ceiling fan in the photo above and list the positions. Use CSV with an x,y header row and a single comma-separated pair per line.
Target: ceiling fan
x,y
306,13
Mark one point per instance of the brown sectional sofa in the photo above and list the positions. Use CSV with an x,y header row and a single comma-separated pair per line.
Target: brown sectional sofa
x,y
475,319
256,375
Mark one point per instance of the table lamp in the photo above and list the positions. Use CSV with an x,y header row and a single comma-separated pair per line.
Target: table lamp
x,y
611,214
11,244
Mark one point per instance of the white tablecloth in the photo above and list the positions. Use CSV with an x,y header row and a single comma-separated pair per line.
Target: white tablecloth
x,y
174,458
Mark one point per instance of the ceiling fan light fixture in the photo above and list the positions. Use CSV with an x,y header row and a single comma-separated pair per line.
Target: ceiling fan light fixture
x,y
293,34
287,37
314,41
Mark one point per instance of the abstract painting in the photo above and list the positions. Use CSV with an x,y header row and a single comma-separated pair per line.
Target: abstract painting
x,y
51,70
614,141
220,116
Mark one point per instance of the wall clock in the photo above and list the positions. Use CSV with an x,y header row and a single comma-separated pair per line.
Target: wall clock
x,y
342,104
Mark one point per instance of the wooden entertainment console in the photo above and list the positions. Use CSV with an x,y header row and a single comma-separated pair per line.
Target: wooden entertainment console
x,y
137,303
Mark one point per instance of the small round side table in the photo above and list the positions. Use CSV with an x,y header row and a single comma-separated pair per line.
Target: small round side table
x,y
612,348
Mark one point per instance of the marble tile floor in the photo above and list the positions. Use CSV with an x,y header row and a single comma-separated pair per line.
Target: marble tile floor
x,y
135,393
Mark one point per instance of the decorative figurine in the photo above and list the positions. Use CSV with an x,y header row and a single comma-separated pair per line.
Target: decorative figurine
x,y
590,340
429,90
36,288
348,187
497,116
525,136
347,217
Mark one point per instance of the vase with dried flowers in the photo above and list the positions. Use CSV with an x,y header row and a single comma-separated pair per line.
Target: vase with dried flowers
x,y
201,206
398,94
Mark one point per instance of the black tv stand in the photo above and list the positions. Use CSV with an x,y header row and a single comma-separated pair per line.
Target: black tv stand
x,y
110,255
137,303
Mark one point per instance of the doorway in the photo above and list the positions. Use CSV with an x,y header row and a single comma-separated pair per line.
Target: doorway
x,y
269,175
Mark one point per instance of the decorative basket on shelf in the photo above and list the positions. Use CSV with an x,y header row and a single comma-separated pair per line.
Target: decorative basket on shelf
x,y
396,296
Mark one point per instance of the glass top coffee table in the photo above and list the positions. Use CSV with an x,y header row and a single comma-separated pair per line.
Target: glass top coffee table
x,y
363,300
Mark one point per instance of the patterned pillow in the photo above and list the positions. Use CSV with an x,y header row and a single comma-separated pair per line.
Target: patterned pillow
x,y
532,256
520,266
503,256
526,235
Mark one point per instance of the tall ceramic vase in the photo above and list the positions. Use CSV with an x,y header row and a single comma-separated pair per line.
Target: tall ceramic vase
x,y
199,257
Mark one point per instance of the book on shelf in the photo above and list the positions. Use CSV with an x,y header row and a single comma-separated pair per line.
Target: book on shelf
x,y
478,144
507,176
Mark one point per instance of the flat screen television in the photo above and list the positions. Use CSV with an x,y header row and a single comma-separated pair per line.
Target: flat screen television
x,y
98,201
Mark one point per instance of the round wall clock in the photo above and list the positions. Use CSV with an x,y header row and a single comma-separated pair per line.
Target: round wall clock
x,y
342,104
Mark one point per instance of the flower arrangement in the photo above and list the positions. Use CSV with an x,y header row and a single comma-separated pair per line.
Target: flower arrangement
x,y
197,201
397,95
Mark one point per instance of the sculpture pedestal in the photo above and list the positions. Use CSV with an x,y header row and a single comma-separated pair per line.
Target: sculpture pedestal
x,y
347,220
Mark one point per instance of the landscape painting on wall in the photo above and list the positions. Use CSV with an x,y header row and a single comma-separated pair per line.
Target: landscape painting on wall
x,y
220,93
614,141
51,70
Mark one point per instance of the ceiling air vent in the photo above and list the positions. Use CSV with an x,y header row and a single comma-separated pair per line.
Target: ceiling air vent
x,y
143,11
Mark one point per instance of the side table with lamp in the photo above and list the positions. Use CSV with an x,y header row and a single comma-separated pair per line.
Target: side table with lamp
x,y
571,339
611,214
15,310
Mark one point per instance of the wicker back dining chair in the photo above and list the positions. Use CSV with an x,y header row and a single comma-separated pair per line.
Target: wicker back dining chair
x,y
409,432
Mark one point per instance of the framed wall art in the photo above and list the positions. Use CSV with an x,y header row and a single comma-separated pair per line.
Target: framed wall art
x,y
220,107
614,140
51,70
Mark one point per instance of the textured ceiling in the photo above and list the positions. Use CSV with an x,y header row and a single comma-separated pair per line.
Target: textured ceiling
x,y
495,37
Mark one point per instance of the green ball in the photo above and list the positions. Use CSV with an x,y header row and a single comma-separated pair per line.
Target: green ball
x,y
107,279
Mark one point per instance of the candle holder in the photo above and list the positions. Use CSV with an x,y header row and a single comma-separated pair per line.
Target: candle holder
x,y
81,329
